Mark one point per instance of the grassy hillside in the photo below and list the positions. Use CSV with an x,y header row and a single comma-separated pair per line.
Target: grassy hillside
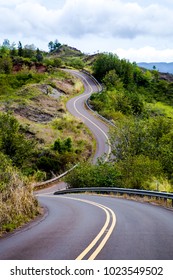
x,y
39,139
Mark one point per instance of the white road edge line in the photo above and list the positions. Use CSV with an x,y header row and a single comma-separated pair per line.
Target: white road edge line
x,y
80,97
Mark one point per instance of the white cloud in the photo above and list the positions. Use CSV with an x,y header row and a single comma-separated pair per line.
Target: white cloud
x,y
145,54
13,3
126,22
101,17
114,18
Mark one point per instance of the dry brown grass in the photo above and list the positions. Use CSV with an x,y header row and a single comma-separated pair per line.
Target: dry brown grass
x,y
145,199
17,204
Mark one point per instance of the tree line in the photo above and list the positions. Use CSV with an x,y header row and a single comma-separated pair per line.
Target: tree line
x,y
142,139
28,50
11,54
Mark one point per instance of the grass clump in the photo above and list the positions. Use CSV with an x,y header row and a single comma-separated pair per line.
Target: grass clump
x,y
17,203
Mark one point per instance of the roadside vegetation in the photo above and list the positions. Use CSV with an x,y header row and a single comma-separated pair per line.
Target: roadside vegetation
x,y
17,203
39,139
140,105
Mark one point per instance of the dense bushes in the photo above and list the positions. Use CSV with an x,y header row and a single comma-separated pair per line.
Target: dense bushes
x,y
63,146
17,80
104,64
6,65
99,175
13,143
75,62
142,158
143,149
142,139
140,172
53,62
121,74
109,102
25,154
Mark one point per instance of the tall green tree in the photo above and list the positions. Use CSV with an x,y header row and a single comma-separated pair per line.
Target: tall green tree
x,y
39,55
20,49
53,46
6,43
112,80
104,63
151,138
29,51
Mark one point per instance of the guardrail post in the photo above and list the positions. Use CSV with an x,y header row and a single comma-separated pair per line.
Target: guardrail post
x,y
165,201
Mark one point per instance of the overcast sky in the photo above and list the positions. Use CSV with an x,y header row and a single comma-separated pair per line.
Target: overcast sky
x,y
138,30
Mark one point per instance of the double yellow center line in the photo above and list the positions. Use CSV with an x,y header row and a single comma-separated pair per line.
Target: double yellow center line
x,y
98,243
102,237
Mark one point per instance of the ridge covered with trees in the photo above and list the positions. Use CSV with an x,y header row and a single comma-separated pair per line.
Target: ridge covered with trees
x,y
140,104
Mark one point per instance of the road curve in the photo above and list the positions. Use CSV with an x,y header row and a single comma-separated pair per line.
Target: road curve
x,y
71,229
76,106
92,227
29,243
85,227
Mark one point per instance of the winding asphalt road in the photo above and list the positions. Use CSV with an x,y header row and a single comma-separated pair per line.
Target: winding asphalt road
x,y
90,226
76,106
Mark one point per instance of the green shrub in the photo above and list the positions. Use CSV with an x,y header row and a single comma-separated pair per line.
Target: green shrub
x,y
63,146
99,175
138,172
76,62
12,142
6,65
49,162
151,138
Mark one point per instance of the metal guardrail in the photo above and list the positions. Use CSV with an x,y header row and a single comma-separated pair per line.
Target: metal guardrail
x,y
100,87
155,194
94,79
97,114
54,180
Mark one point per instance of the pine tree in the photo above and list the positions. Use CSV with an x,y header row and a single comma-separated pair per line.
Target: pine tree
x,y
20,49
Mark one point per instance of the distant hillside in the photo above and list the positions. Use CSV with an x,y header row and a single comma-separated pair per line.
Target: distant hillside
x,y
160,66
66,50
